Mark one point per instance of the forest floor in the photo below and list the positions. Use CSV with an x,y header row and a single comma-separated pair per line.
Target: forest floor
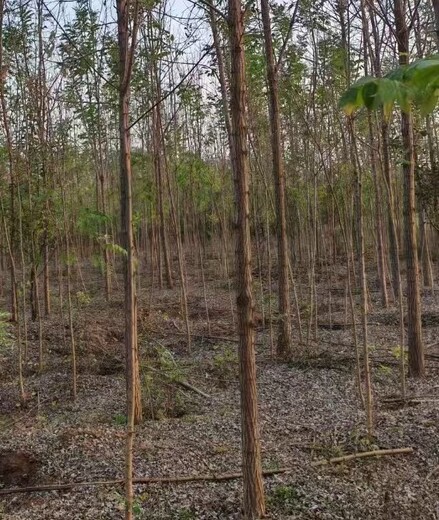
x,y
309,410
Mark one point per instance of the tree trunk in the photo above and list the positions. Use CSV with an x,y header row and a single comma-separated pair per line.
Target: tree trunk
x,y
415,345
435,4
284,331
254,501
134,409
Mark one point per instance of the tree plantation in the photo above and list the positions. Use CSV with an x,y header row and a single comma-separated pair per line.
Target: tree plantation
x,y
219,245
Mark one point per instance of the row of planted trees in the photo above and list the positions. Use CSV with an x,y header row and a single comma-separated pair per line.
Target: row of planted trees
x,y
191,145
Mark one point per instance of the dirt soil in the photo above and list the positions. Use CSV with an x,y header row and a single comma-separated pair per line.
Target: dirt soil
x,y
309,410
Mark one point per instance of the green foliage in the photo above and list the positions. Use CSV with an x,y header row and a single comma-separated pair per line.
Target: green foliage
x,y
137,508
384,370
69,260
184,514
83,298
417,83
225,366
163,397
120,419
5,333
286,499
198,179
98,262
397,353
116,248
91,223
121,502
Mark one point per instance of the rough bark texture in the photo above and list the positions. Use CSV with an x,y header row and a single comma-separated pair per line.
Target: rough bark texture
x,y
284,332
415,345
254,503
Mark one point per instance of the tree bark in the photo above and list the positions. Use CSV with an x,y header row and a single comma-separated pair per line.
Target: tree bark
x,y
254,501
134,409
415,345
284,327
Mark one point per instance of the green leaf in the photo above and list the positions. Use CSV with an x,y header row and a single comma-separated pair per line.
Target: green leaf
x,y
428,104
369,94
116,248
353,99
388,109
349,100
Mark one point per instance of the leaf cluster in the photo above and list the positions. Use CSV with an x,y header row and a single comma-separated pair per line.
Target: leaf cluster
x,y
415,84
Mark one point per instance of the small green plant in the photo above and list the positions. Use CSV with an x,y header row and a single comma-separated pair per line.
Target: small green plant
x,y
185,514
137,508
397,352
120,419
83,298
121,503
163,397
272,464
225,366
116,249
5,334
286,499
98,262
384,370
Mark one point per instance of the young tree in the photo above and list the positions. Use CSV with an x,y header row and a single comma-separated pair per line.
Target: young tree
x,y
416,348
126,13
254,502
284,337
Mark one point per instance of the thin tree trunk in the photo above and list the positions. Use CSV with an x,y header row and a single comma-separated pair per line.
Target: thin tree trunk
x,y
284,326
11,237
254,500
415,344
363,279
134,409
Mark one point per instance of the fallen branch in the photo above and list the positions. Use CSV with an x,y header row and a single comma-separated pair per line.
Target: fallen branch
x,y
361,455
187,385
180,382
409,400
196,478
140,480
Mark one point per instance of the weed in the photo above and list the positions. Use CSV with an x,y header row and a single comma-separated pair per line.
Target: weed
x,y
397,352
184,514
5,334
83,298
286,499
384,371
225,366
120,419
163,398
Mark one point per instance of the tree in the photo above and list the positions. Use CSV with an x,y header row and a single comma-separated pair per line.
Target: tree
x,y
254,502
414,333
284,336
416,83
126,60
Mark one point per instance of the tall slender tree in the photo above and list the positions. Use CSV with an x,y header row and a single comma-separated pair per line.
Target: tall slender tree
x,y
254,502
284,336
415,344
126,13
